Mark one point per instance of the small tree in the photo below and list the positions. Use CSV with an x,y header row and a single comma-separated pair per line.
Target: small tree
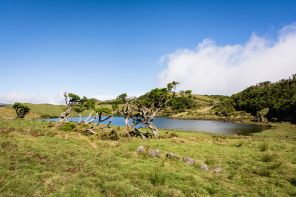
x,y
101,111
21,110
188,92
71,100
182,92
147,106
84,104
126,110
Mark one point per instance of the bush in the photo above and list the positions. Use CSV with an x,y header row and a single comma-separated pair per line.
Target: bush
x,y
173,135
68,126
21,110
112,135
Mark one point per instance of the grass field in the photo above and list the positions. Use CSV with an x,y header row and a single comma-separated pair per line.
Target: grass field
x,y
38,159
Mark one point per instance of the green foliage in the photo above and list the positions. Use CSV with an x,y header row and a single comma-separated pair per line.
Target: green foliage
x,y
89,104
224,108
73,97
121,98
114,107
102,110
277,99
154,98
181,104
112,135
21,110
68,126
188,92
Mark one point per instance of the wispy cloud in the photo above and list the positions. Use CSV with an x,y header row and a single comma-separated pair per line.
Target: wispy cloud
x,y
213,69
22,97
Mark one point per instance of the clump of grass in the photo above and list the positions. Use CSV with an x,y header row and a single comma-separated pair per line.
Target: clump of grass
x,y
275,165
292,181
112,135
239,143
171,135
158,177
210,162
268,157
212,190
50,124
8,145
263,172
264,146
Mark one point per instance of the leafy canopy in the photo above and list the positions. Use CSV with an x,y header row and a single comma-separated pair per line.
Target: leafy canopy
x,y
21,110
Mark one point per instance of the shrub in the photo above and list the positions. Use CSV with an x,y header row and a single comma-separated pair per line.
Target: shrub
x,y
68,126
21,110
173,135
112,135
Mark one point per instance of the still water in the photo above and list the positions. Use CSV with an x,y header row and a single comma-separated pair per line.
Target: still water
x,y
190,125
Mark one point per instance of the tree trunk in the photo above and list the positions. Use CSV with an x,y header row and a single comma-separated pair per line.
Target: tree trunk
x,y
96,116
64,116
126,121
89,116
153,129
79,118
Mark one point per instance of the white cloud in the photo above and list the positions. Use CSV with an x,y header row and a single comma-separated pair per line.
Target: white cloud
x,y
22,97
12,97
212,69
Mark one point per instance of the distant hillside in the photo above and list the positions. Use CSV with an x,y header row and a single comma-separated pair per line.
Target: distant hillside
x,y
275,101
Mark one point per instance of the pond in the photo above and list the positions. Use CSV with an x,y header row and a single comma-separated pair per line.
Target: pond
x,y
191,125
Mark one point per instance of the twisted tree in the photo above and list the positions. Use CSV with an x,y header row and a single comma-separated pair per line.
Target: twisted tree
x,y
126,110
84,104
21,110
147,106
71,100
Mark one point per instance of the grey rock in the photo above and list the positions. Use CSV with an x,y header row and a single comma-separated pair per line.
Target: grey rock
x,y
217,170
188,161
171,155
140,149
204,167
154,153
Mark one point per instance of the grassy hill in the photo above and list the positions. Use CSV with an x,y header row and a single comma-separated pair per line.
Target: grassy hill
x,y
38,159
200,107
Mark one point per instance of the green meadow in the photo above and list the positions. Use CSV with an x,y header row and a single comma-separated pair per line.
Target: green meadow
x,y
39,159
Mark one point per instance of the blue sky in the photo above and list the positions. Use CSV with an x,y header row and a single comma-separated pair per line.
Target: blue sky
x,y
104,48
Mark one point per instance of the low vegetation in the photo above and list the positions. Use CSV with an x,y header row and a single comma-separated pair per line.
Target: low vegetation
x,y
37,158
